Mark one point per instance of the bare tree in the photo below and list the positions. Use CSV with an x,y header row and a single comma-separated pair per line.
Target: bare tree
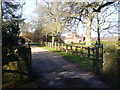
x,y
58,13
54,21
104,22
85,12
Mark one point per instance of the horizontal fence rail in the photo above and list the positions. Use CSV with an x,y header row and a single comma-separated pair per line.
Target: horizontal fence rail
x,y
72,49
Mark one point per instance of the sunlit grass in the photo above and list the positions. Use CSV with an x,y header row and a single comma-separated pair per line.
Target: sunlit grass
x,y
82,61
93,43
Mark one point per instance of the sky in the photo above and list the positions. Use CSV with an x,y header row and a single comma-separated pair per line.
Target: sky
x,y
28,13
28,9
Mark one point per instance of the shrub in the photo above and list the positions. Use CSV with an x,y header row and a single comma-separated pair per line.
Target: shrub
x,y
110,62
19,61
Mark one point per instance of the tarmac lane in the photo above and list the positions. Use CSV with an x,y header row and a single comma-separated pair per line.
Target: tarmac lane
x,y
58,72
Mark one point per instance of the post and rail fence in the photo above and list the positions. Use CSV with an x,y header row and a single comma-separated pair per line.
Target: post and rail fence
x,y
96,53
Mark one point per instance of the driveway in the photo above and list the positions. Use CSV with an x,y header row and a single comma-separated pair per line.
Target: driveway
x,y
58,72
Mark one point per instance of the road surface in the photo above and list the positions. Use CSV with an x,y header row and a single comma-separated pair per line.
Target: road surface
x,y
58,72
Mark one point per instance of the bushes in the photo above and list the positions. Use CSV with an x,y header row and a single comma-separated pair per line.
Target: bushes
x,y
19,69
110,69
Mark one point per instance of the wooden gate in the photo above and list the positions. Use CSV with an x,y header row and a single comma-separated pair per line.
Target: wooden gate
x,y
98,59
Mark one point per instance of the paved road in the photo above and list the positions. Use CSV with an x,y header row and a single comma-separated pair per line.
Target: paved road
x,y
58,72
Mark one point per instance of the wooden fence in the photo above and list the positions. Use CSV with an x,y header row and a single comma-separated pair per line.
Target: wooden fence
x,y
96,53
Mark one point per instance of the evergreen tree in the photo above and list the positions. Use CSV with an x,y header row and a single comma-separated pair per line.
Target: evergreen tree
x,y
10,28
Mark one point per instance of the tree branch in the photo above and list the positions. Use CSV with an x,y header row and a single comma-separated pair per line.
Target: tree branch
x,y
102,6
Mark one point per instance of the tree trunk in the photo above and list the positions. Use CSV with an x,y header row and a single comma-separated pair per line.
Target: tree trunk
x,y
98,30
46,36
53,40
98,36
58,38
88,32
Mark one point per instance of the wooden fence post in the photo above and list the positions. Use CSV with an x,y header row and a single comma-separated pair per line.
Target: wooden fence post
x,y
101,58
50,45
30,64
71,49
41,42
81,51
93,59
76,50
97,69
66,48
88,52
46,44
55,46
62,47
58,46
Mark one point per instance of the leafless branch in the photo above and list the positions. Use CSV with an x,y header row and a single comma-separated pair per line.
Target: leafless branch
x,y
102,6
110,26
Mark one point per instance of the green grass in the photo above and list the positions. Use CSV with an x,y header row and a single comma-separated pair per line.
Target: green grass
x,y
93,42
82,61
